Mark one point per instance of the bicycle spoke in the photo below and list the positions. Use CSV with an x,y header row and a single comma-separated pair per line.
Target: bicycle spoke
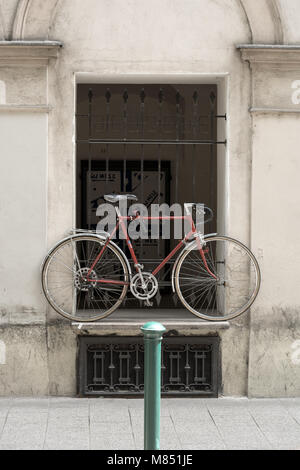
x,y
227,295
68,287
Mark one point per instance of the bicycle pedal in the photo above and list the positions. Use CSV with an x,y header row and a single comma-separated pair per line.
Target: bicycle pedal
x,y
148,303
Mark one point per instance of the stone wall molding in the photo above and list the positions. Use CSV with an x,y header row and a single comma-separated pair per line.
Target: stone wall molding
x,y
20,19
265,20
263,17
270,54
275,77
28,52
2,25
33,19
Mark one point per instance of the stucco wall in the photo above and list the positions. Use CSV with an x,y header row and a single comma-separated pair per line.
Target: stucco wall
x,y
169,41
275,323
136,41
8,10
23,180
290,20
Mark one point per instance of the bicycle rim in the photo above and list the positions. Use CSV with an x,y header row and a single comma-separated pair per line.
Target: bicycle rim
x,y
64,279
233,289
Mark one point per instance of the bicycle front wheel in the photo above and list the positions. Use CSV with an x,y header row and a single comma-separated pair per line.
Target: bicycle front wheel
x,y
220,284
74,290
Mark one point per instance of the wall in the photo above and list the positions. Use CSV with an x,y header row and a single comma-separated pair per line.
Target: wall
x,y
109,41
275,324
8,10
192,40
33,353
23,177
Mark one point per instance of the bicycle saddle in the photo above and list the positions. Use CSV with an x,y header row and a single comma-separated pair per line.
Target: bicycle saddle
x,y
114,198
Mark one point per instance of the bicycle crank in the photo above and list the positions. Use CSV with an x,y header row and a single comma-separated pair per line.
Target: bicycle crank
x,y
144,289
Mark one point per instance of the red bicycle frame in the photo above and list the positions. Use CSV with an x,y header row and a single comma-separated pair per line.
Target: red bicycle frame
x,y
120,223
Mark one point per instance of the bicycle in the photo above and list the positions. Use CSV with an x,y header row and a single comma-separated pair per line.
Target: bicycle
x,y
86,276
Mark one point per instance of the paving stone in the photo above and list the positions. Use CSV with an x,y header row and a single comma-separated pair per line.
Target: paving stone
x,y
265,406
4,413
111,417
190,433
170,446
246,440
188,403
195,415
295,414
60,414
169,438
228,408
219,445
249,447
67,435
290,446
30,403
64,402
235,421
24,421
21,447
109,403
279,424
76,408
208,442
116,424
104,442
139,412
21,437
74,444
121,430
112,445
5,403
227,402
2,422
290,437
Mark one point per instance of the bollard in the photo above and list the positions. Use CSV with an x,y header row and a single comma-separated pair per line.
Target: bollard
x,y
153,332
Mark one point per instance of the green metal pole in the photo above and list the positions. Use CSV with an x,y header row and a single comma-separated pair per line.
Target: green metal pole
x,y
153,332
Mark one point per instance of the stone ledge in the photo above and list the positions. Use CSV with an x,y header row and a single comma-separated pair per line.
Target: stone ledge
x,y
23,43
28,52
265,54
182,323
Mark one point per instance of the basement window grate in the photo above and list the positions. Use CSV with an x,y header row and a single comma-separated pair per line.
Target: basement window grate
x,y
111,366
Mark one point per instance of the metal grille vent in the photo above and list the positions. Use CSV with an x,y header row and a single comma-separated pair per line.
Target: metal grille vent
x,y
115,366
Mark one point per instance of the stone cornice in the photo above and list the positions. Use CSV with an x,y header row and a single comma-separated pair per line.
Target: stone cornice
x,y
275,78
28,52
265,54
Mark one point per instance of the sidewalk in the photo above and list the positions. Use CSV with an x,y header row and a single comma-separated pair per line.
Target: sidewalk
x,y
115,424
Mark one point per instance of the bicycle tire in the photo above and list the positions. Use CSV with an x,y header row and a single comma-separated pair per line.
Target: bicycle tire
x,y
201,314
80,317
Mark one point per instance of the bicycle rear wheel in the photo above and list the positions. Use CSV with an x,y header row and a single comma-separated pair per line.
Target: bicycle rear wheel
x,y
228,290
65,283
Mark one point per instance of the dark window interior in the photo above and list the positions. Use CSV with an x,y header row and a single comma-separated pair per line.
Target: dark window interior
x,y
158,142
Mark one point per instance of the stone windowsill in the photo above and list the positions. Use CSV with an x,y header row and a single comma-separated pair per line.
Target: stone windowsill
x,y
129,322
